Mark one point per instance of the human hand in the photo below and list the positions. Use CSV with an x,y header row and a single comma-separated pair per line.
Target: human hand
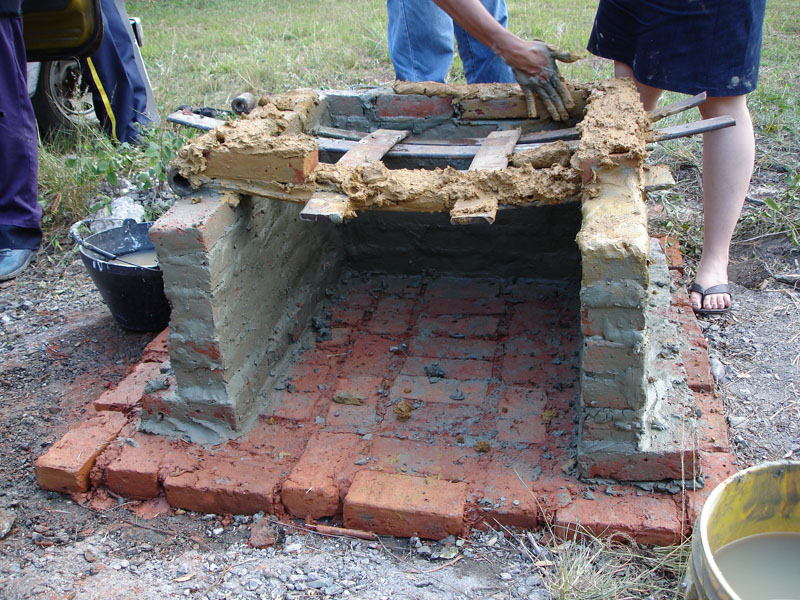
x,y
546,82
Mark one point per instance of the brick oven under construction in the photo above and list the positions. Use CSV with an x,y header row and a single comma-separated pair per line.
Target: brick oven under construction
x,y
426,283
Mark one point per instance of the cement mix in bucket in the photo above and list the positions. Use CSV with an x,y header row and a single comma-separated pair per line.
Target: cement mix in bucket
x,y
141,258
762,567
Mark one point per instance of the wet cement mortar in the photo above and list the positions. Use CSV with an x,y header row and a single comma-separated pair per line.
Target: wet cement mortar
x,y
61,349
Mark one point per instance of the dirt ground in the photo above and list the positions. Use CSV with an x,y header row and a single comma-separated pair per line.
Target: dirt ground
x,y
61,348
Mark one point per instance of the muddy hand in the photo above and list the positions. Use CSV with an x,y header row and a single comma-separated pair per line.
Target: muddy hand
x,y
547,84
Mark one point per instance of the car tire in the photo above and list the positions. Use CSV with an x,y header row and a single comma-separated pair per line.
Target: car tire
x,y
62,101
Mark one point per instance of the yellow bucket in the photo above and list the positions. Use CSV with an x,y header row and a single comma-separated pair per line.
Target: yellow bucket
x,y
764,499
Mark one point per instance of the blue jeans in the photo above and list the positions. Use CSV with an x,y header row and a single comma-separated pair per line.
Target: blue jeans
x,y
19,144
421,44
118,89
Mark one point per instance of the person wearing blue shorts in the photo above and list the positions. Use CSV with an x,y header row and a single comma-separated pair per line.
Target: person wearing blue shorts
x,y
712,46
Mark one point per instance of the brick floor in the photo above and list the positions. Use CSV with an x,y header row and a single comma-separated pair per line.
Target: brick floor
x,y
489,371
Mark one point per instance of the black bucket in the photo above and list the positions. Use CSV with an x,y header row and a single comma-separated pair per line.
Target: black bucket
x,y
134,294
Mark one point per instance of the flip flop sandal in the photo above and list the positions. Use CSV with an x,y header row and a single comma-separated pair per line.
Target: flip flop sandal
x,y
722,288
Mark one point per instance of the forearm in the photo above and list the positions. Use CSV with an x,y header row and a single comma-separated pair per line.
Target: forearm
x,y
473,17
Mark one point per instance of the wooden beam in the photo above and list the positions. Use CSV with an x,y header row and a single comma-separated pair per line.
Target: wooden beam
x,y
326,134
326,206
371,147
492,155
334,207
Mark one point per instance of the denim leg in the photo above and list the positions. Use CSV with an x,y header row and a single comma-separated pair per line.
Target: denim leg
x,y
420,40
19,154
481,65
118,90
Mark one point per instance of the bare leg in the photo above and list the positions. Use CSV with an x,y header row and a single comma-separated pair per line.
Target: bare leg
x,y
648,95
728,158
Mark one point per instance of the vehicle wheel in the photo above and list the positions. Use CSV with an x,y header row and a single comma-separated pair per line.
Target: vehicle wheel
x,y
62,100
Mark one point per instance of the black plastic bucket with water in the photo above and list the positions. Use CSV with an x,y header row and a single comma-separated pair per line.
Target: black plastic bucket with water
x,y
134,294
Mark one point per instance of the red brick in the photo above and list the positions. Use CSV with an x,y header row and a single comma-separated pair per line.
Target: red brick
x,y
435,457
402,286
192,227
698,370
413,105
672,250
353,417
519,418
370,355
344,314
647,519
466,288
453,368
449,325
156,351
439,347
494,108
306,384
340,337
713,432
227,482
433,419
533,319
313,488
511,486
134,471
671,463
295,406
716,467
463,306
66,464
602,356
391,317
282,163
402,505
128,394
443,390
536,361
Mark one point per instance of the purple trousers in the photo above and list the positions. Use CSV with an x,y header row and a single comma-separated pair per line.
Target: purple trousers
x,y
19,160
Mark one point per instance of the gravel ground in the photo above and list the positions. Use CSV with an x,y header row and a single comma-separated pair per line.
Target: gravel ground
x,y
61,349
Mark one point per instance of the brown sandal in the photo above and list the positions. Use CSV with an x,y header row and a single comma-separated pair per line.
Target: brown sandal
x,y
722,288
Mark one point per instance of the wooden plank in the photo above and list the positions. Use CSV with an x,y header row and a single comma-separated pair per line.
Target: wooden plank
x,y
325,134
494,152
333,207
372,147
326,206
492,155
194,120
526,142
677,107
677,131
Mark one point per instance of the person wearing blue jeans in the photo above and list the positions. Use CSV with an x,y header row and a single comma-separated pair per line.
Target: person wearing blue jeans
x,y
421,43
118,88
20,214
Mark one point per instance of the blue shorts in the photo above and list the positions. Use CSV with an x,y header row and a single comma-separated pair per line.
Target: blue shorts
x,y
712,46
